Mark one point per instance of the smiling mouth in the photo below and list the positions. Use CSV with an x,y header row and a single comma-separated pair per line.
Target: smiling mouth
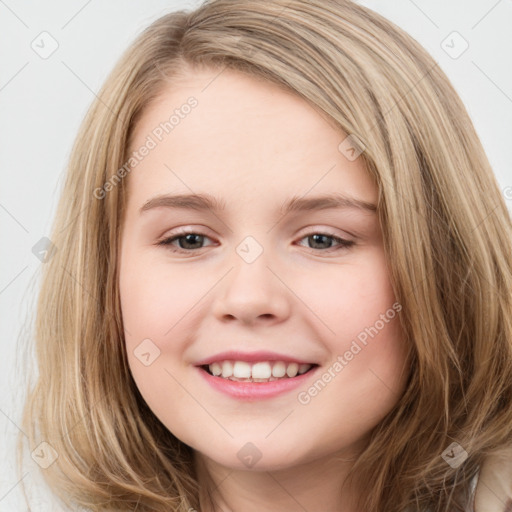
x,y
267,371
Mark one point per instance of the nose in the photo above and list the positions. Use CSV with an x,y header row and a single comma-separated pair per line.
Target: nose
x,y
253,293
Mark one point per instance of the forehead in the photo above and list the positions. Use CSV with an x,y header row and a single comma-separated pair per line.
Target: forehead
x,y
242,134
231,104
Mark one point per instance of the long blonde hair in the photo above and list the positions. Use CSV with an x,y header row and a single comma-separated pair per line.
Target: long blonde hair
x,y
447,239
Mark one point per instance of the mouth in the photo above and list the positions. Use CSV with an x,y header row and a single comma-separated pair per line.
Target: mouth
x,y
257,372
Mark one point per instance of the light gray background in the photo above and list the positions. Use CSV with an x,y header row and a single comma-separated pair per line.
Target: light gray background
x,y
42,102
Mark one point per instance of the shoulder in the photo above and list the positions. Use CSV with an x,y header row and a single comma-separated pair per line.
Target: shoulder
x,y
494,484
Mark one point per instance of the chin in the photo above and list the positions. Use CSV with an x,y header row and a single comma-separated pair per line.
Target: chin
x,y
254,457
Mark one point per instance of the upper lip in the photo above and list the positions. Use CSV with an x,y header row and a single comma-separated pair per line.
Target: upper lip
x,y
261,355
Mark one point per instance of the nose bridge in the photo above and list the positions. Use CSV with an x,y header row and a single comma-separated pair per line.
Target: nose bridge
x,y
252,289
251,275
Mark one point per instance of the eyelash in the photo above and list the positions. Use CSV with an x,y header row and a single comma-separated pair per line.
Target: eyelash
x,y
343,244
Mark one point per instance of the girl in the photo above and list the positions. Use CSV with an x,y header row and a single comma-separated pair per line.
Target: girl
x,y
261,369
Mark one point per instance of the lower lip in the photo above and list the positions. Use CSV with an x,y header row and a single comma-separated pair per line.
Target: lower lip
x,y
255,390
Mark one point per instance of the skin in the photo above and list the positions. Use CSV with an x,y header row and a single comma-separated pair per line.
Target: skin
x,y
254,146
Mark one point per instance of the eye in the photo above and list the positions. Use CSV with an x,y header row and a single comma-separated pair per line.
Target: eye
x,y
185,240
188,241
323,238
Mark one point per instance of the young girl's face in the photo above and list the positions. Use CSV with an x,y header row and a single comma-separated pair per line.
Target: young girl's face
x,y
254,277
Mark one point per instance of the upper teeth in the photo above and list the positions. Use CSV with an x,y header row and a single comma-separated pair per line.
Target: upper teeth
x,y
260,370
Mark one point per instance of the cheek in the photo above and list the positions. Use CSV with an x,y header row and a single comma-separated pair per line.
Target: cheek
x,y
153,300
152,306
364,337
160,304
352,297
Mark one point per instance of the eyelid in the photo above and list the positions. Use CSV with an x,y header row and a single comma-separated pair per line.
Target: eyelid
x,y
185,230
314,229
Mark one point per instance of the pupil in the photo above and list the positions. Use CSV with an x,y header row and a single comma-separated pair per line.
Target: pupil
x,y
315,238
188,239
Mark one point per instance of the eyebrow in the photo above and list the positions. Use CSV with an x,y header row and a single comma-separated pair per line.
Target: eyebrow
x,y
203,202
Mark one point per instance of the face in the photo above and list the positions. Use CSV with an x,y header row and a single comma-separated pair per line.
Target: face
x,y
273,285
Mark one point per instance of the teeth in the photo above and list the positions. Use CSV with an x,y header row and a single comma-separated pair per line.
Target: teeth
x,y
242,370
216,369
292,369
279,369
303,368
259,372
227,369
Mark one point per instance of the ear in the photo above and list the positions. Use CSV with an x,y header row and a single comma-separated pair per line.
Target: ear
x,y
494,487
